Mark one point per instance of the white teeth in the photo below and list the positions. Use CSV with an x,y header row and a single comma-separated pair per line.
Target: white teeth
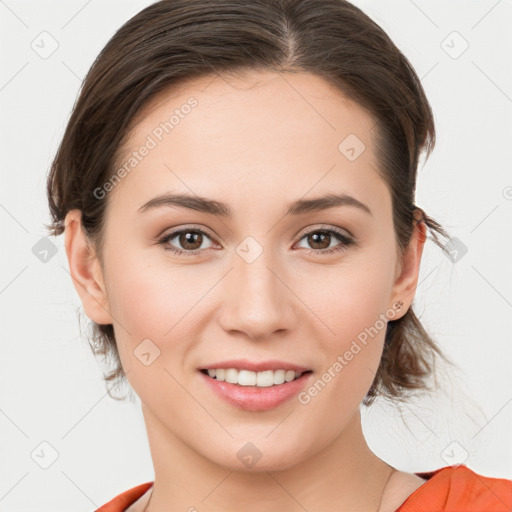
x,y
246,378
263,379
289,376
279,376
231,376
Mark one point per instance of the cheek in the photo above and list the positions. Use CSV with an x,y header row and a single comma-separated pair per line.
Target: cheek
x,y
136,301
349,297
352,347
351,300
151,300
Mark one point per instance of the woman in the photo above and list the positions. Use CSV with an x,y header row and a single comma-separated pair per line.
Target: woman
x,y
236,186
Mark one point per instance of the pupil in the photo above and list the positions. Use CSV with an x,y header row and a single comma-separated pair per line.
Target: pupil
x,y
315,237
187,238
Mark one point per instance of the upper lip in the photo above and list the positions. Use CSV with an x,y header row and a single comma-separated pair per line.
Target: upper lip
x,y
245,364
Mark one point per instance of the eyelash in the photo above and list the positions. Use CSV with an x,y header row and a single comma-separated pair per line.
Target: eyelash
x,y
345,240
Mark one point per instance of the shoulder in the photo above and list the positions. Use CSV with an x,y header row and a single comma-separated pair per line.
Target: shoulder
x,y
401,485
124,500
459,489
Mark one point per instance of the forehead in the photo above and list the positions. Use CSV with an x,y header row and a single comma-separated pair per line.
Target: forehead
x,y
257,133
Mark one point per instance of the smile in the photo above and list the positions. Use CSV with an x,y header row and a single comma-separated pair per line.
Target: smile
x,y
261,379
253,392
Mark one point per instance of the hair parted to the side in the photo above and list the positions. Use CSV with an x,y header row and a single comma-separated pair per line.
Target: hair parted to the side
x,y
174,41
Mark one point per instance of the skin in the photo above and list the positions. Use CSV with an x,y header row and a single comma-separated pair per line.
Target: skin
x,y
257,143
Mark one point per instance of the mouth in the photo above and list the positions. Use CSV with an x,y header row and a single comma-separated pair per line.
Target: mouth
x,y
248,378
254,391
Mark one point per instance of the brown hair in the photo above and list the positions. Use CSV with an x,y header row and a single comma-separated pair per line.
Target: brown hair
x,y
173,41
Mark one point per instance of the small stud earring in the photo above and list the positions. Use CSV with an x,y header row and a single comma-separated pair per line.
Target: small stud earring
x,y
399,304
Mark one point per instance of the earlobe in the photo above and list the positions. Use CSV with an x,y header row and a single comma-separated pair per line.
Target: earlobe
x,y
406,282
85,270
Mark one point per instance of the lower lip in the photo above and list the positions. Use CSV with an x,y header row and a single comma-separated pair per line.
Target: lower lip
x,y
252,398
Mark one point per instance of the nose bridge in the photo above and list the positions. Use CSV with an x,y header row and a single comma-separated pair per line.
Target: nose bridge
x,y
255,278
258,303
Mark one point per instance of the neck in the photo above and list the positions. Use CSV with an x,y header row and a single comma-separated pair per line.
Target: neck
x,y
345,475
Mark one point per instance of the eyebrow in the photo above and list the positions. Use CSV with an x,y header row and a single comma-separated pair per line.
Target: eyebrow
x,y
220,209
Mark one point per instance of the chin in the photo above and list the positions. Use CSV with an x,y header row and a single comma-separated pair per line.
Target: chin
x,y
258,455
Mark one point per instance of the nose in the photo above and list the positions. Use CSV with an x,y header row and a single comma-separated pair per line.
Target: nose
x,y
257,301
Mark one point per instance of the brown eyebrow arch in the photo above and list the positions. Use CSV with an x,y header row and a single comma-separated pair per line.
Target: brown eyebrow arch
x,y
217,208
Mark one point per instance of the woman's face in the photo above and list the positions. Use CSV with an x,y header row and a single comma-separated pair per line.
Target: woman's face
x,y
257,285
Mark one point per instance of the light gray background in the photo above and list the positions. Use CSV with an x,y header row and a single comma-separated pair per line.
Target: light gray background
x,y
50,384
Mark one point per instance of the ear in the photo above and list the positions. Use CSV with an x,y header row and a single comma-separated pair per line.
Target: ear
x,y
85,270
408,267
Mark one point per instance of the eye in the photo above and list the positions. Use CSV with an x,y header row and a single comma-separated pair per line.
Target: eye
x,y
320,240
191,239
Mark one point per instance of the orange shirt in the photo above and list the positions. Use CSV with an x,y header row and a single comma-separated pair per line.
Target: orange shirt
x,y
448,489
